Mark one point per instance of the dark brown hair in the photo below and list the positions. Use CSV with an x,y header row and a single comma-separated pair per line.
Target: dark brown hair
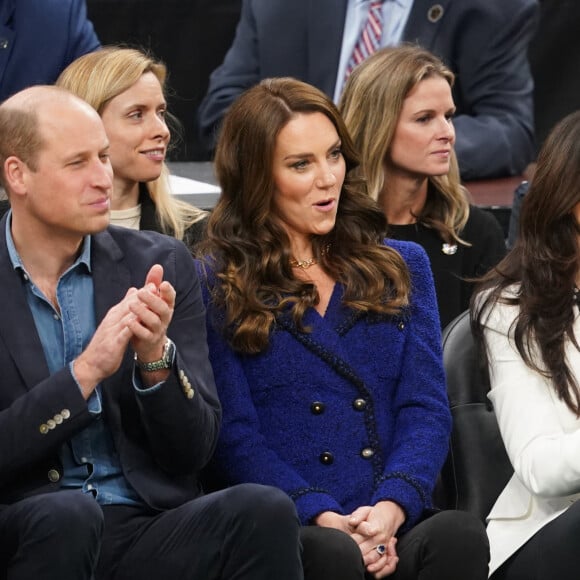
x,y
544,264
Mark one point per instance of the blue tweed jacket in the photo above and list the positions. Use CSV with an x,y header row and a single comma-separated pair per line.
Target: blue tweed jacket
x,y
351,413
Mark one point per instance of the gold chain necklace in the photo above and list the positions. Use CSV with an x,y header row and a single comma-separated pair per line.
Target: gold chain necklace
x,y
304,264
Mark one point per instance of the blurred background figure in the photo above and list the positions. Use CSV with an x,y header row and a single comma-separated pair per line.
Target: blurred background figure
x,y
38,39
484,42
126,87
399,109
554,55
528,322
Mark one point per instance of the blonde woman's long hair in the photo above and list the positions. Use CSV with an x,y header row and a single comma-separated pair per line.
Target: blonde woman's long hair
x,y
371,105
102,75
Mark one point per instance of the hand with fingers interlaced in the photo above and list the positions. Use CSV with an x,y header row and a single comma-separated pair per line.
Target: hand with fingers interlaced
x,y
374,529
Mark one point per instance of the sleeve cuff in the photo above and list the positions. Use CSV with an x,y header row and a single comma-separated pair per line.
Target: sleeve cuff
x,y
94,403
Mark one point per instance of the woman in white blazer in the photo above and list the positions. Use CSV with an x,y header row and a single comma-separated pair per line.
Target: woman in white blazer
x,y
527,318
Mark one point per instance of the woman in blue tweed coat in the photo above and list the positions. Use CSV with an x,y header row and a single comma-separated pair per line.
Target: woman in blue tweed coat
x,y
325,345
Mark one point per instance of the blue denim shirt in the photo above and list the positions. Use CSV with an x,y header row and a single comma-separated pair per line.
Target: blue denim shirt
x,y
90,459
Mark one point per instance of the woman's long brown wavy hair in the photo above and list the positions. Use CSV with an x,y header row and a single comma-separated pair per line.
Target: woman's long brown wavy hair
x,y
248,248
544,263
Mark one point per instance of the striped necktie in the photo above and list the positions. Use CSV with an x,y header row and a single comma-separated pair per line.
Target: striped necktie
x,y
370,37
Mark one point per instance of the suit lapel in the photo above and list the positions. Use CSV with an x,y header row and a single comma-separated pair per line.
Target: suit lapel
x,y
425,21
325,337
325,344
326,24
18,330
111,277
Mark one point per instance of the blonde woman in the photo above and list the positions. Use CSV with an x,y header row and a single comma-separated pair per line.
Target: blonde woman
x,y
398,107
125,86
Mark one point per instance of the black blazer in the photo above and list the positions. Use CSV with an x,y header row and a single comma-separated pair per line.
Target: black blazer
x,y
193,234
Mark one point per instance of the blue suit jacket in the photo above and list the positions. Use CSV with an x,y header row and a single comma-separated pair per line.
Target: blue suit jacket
x,y
38,39
483,41
163,438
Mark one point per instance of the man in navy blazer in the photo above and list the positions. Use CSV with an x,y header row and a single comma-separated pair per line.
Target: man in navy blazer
x,y
40,38
484,42
108,407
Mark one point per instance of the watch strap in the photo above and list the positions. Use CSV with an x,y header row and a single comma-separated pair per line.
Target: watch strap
x,y
165,362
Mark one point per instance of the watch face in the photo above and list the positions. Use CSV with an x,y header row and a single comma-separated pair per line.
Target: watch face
x,y
169,352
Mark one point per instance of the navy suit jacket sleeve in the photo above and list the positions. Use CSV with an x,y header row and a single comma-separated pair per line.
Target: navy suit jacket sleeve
x,y
486,45
40,38
275,38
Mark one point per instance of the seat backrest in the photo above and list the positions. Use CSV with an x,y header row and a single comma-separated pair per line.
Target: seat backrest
x,y
477,467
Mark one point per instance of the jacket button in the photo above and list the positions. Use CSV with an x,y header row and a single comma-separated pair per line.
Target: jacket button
x,y
53,475
326,458
65,413
359,404
367,453
317,408
43,429
58,419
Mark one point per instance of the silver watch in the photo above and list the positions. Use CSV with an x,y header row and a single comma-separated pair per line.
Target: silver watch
x,y
165,362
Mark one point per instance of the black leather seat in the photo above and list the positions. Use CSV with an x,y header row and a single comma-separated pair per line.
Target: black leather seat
x,y
477,467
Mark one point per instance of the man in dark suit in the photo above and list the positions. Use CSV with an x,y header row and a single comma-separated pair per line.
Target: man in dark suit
x,y
39,39
483,41
108,407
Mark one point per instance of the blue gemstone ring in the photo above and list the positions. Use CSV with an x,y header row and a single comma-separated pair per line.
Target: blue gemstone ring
x,y
381,549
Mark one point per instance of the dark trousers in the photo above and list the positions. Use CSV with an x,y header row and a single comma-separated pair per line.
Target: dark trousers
x,y
247,532
551,554
450,545
53,536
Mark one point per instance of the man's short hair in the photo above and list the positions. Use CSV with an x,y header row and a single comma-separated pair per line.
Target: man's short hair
x,y
19,136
